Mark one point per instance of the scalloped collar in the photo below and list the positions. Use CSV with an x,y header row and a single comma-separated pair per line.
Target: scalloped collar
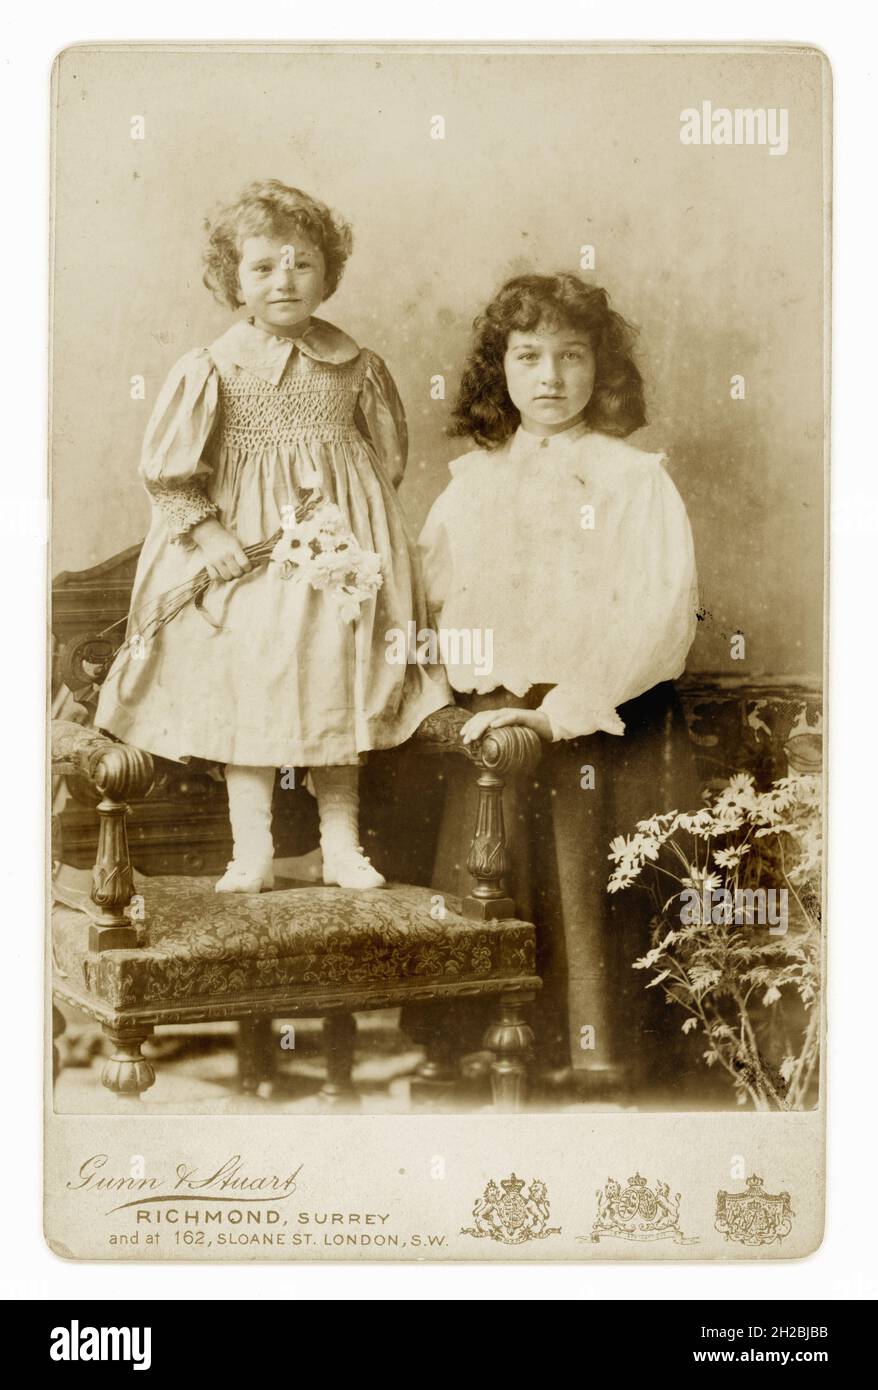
x,y
266,355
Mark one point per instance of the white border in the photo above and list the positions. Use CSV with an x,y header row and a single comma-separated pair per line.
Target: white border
x,y
843,1268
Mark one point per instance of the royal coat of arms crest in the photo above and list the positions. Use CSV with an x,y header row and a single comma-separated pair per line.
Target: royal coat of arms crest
x,y
754,1217
640,1212
507,1213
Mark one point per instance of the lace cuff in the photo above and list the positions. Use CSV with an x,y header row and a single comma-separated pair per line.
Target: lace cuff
x,y
182,508
572,717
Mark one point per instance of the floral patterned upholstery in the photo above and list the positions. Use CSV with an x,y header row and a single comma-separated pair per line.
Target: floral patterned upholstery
x,y
202,945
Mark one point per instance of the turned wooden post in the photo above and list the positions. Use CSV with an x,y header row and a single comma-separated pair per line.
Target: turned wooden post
x,y
507,750
256,1057
510,1039
127,1073
118,772
434,1078
339,1037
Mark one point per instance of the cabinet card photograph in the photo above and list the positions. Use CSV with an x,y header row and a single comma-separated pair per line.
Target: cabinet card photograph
x,y
438,471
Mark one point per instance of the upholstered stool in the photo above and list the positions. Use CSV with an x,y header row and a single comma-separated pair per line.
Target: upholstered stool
x,y
170,950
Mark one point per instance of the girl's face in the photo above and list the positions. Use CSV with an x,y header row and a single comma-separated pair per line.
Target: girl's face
x,y
281,281
549,376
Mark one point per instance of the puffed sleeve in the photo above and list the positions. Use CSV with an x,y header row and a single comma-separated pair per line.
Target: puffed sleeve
x,y
381,418
643,622
172,462
434,546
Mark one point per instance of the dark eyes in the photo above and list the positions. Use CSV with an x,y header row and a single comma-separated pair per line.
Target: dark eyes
x,y
266,266
533,357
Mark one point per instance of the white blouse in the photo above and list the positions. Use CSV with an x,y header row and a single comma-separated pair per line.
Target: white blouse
x,y
571,559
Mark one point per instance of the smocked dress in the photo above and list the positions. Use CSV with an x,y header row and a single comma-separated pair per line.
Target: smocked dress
x,y
575,554
269,674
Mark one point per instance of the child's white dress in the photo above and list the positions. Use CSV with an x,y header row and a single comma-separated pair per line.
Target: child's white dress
x,y
239,431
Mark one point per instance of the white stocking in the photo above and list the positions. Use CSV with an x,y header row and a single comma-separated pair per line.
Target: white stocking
x,y
338,804
250,793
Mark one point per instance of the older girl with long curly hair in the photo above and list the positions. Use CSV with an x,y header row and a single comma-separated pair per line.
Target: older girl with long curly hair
x,y
572,549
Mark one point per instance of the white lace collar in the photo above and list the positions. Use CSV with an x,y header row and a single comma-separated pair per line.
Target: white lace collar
x,y
266,355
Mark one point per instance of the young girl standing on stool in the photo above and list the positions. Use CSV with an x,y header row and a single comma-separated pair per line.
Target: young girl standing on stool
x,y
264,674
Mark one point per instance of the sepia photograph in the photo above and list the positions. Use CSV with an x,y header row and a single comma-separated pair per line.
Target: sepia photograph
x,y
439,453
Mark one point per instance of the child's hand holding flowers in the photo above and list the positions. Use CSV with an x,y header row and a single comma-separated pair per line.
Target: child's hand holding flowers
x,y
224,556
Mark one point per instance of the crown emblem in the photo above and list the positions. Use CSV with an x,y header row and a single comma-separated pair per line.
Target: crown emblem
x,y
640,1212
507,1213
754,1217
512,1184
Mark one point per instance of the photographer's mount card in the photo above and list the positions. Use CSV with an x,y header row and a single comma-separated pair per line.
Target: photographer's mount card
x,y
439,456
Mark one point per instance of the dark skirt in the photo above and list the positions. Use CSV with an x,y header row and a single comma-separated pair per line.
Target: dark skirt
x,y
594,1014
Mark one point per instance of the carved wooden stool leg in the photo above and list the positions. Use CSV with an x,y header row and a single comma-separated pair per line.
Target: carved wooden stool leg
x,y
127,1073
339,1037
510,1039
255,1052
435,1079
59,1024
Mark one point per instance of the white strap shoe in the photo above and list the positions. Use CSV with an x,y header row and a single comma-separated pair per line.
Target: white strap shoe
x,y
244,877
350,868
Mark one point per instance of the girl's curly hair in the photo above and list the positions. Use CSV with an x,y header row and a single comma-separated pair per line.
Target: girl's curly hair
x,y
483,409
269,207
